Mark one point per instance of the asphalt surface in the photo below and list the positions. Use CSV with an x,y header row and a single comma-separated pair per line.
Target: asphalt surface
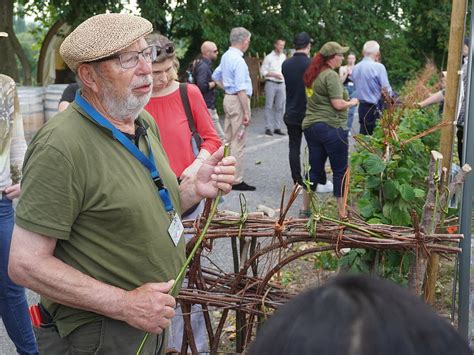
x,y
266,167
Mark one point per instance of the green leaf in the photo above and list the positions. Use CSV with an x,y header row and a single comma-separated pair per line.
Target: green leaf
x,y
387,210
407,192
372,182
366,207
419,192
374,164
403,174
390,190
374,221
399,217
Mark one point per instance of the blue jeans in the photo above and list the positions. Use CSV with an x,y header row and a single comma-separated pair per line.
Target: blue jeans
x,y
13,306
325,141
350,113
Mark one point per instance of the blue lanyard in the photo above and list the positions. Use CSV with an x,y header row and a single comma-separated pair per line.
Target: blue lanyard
x,y
149,163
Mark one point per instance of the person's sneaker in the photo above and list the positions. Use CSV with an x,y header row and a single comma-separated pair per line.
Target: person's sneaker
x,y
268,132
304,214
279,132
328,187
243,187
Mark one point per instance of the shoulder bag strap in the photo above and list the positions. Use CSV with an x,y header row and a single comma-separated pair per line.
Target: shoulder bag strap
x,y
183,90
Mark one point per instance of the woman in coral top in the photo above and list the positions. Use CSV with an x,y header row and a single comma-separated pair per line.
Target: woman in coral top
x,y
167,109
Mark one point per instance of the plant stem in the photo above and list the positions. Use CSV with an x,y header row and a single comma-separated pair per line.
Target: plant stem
x,y
352,226
177,284
179,279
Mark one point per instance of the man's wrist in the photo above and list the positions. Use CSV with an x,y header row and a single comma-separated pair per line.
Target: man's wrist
x,y
120,307
188,193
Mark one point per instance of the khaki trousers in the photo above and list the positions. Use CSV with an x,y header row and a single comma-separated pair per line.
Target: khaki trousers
x,y
233,121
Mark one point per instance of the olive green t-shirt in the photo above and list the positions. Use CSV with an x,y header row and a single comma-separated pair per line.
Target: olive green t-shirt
x,y
83,188
327,86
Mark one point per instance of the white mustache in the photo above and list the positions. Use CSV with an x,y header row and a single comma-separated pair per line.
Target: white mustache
x,y
147,80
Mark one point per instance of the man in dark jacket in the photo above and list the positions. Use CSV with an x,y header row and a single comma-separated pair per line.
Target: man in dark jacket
x,y
293,70
203,79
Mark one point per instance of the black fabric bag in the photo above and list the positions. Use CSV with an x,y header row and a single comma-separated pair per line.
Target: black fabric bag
x,y
196,139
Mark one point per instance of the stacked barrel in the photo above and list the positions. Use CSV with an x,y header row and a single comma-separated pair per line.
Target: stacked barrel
x,y
38,105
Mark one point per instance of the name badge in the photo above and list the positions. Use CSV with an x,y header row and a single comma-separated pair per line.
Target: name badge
x,y
176,229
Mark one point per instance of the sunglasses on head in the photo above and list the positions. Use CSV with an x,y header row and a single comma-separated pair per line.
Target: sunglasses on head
x,y
168,48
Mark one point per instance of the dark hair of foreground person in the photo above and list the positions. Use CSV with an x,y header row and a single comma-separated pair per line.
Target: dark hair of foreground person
x,y
357,315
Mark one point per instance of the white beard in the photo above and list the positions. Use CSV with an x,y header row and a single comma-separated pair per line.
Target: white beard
x,y
128,107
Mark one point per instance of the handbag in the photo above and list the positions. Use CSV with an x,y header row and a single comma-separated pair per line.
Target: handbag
x,y
196,139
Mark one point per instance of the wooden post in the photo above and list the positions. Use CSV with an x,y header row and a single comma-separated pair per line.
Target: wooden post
x,y
458,18
456,34
428,219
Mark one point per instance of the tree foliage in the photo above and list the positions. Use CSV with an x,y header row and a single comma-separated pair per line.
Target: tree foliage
x,y
409,31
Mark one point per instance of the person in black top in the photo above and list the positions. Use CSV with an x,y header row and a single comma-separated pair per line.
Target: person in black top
x,y
293,70
203,79
68,96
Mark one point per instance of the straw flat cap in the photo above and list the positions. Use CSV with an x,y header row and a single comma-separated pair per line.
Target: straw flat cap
x,y
101,36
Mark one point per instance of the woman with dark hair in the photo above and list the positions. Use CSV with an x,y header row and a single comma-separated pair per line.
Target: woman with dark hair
x,y
325,122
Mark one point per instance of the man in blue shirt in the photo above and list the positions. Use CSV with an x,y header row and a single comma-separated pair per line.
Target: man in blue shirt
x,y
370,78
233,76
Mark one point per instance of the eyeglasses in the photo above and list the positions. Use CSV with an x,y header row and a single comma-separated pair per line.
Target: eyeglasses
x,y
129,60
168,48
215,51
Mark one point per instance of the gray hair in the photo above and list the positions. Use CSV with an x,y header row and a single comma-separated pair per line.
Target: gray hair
x,y
371,47
238,35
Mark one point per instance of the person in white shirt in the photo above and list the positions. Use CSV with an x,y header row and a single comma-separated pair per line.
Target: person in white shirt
x,y
275,93
345,73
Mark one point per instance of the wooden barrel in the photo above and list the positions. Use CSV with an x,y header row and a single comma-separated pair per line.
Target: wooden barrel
x,y
51,99
31,107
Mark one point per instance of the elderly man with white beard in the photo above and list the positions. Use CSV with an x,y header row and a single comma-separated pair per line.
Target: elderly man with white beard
x,y
98,233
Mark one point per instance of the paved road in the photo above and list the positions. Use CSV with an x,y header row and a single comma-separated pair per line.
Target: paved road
x,y
266,167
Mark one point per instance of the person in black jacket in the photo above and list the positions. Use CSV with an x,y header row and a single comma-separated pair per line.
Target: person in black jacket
x,y
68,96
293,70
203,79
